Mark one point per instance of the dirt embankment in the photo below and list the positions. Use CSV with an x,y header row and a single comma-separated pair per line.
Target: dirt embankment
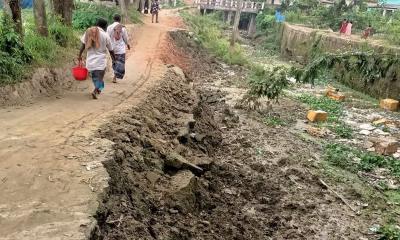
x,y
43,82
189,166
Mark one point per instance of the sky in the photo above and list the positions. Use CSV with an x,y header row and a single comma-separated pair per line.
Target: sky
x,y
393,1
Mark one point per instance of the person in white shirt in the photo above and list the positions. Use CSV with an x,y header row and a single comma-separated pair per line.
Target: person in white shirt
x,y
120,41
96,41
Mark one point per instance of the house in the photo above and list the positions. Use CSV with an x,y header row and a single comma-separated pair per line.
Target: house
x,y
390,6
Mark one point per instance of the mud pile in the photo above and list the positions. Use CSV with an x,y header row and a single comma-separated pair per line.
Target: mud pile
x,y
164,182
188,166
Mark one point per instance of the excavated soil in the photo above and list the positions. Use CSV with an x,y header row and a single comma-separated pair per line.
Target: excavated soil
x,y
187,165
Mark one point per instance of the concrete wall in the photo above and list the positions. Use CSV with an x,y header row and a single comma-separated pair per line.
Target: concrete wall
x,y
299,43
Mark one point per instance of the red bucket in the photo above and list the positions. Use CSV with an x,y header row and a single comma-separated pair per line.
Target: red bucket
x,y
79,72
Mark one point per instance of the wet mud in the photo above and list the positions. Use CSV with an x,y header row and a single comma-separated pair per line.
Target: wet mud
x,y
187,165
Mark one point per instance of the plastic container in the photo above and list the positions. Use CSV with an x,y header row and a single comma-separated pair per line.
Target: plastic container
x,y
79,72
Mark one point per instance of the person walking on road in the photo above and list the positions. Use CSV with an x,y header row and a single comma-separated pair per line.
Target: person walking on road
x,y
343,27
155,8
348,28
367,32
97,42
120,41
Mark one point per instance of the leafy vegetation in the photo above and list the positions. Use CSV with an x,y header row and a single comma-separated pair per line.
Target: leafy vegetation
x,y
270,29
334,110
13,54
18,54
63,35
86,14
209,34
169,4
274,121
389,231
341,129
355,160
314,14
341,156
268,83
332,107
370,66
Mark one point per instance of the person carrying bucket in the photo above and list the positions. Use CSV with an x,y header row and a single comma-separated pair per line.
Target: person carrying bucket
x,y
97,42
120,41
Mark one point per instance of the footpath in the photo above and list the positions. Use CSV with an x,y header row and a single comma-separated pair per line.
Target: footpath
x,y
50,160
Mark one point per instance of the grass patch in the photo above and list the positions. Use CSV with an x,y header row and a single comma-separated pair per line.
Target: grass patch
x,y
332,107
134,16
208,32
341,129
393,196
355,186
389,231
341,156
355,160
273,121
334,110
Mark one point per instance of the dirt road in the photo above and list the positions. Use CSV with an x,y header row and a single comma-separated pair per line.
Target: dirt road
x,y
50,170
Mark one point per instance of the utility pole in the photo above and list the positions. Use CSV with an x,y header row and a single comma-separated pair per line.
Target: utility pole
x,y
235,30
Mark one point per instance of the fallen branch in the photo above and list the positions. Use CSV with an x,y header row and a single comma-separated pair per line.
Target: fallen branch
x,y
119,220
374,186
338,196
371,175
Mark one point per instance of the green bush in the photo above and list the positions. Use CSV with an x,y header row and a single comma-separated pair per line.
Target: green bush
x,y
389,231
268,83
208,31
169,4
13,54
392,28
265,20
134,16
43,49
18,54
63,35
270,29
86,14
